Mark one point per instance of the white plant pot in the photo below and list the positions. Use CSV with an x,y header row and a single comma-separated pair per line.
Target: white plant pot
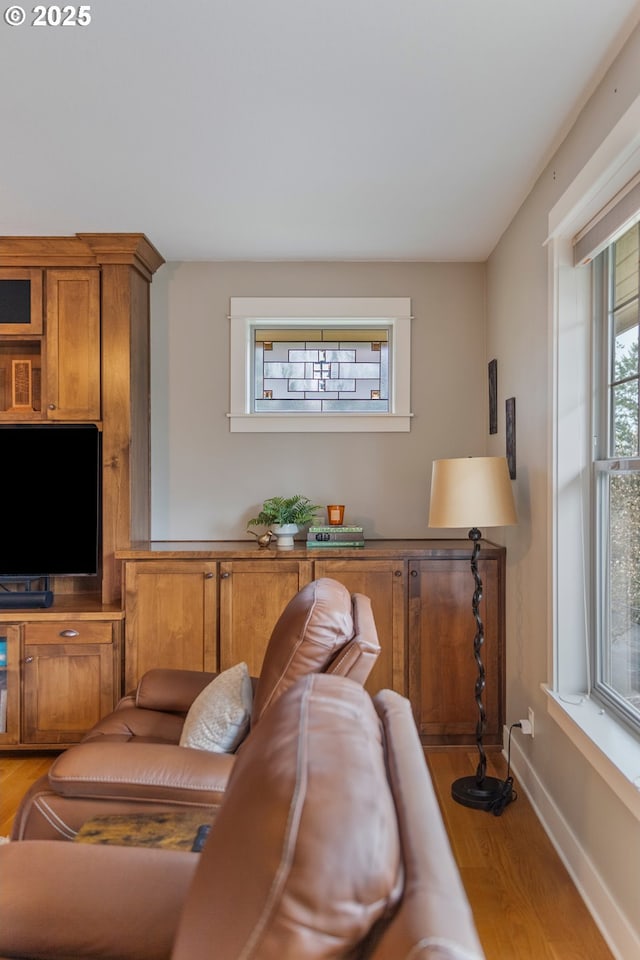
x,y
285,533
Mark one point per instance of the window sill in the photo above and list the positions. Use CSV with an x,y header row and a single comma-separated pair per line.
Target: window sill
x,y
319,423
603,741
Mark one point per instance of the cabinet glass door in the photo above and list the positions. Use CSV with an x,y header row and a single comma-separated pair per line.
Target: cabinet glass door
x,y
9,684
20,301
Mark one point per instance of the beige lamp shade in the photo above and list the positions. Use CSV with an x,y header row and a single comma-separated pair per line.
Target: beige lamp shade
x,y
471,492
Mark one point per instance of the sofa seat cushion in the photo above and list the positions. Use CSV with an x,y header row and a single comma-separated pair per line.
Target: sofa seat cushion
x,y
324,856
131,723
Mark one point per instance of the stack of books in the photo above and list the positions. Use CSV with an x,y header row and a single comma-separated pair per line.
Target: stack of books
x,y
335,536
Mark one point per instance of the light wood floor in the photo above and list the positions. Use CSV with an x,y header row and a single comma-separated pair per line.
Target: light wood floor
x,y
523,900
524,903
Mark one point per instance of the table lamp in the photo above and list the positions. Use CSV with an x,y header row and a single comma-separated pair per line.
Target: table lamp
x,y
473,492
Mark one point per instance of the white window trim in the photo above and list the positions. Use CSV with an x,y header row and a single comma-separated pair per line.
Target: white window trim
x,y
598,735
390,312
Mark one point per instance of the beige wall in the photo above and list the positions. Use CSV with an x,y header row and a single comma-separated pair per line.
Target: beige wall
x,y
208,482
599,831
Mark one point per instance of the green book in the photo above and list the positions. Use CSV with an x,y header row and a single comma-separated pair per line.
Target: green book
x,y
335,528
321,544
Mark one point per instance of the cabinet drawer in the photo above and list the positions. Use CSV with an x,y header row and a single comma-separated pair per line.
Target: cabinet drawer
x,y
69,631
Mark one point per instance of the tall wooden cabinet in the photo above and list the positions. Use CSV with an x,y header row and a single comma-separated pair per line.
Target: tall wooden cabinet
x,y
74,348
209,606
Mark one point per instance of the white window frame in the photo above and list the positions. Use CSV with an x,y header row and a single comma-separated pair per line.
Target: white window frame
x,y
391,313
599,735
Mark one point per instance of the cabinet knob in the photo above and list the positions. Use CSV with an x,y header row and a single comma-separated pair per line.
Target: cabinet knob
x,y
51,406
223,576
414,573
208,576
397,573
69,633
28,659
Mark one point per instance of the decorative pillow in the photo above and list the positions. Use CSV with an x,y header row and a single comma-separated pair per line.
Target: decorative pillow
x,y
218,719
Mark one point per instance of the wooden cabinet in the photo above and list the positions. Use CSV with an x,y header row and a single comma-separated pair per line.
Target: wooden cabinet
x,y
171,617
421,597
63,676
53,372
203,615
72,345
442,666
384,581
74,348
251,600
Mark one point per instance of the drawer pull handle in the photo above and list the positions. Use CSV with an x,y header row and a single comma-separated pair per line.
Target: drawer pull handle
x,y
69,633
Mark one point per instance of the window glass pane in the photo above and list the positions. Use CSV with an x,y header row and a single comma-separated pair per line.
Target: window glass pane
x,y
623,326
621,649
625,420
325,374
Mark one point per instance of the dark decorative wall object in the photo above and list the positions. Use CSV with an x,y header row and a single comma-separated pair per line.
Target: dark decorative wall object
x,y
493,396
510,418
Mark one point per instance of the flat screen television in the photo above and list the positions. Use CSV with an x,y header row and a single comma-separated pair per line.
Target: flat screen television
x,y
50,500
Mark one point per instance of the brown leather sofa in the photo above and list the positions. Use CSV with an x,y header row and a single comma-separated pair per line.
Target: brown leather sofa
x,y
131,760
329,844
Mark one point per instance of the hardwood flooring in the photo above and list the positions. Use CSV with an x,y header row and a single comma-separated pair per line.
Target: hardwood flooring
x,y
524,902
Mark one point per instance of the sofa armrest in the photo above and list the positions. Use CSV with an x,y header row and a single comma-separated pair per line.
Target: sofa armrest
x,y
171,690
80,900
142,771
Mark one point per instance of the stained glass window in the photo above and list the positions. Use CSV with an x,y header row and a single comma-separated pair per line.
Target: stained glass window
x,y
321,371
341,364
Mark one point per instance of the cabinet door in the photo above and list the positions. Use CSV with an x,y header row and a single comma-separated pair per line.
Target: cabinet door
x,y
170,618
68,679
253,594
20,301
384,582
442,666
72,344
9,684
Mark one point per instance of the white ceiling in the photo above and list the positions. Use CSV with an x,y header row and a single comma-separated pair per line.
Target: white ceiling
x,y
294,129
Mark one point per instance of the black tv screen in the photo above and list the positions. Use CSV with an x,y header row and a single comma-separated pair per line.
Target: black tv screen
x,y
50,497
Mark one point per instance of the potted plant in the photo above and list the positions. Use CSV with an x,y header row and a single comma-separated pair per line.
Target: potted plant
x,y
284,515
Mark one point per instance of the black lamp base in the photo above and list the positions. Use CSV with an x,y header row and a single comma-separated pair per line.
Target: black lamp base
x,y
480,796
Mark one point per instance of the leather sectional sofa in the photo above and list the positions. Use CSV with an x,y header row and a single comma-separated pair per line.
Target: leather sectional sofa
x,y
329,843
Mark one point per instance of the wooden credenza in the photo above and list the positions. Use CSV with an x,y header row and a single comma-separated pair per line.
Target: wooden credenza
x,y
209,605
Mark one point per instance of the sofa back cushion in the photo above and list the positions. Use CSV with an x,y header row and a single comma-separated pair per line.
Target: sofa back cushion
x,y
314,625
304,855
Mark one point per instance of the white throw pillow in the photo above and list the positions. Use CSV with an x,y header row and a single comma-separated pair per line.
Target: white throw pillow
x,y
218,719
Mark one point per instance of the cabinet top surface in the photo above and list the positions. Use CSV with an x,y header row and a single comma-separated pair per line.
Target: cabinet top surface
x,y
241,549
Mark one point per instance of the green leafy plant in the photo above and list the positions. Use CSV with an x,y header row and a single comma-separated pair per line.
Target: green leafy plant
x,y
277,511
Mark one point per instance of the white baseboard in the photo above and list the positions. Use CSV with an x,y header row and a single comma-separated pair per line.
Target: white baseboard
x,y
621,938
